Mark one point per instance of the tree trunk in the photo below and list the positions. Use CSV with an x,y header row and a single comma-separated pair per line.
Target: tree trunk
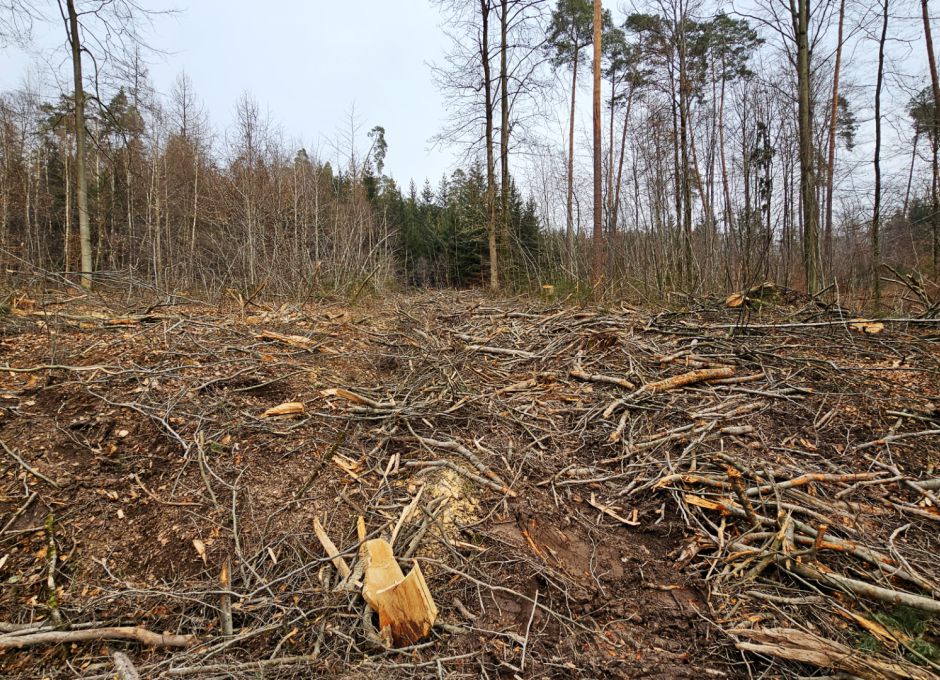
x,y
569,228
610,161
68,203
905,208
876,216
725,182
935,85
684,147
84,228
504,127
597,256
623,146
807,169
833,122
490,163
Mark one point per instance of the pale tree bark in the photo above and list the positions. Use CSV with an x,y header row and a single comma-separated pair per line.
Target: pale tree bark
x,y
490,161
800,10
876,216
623,145
84,227
504,128
569,225
833,123
610,161
905,208
597,255
935,86
686,171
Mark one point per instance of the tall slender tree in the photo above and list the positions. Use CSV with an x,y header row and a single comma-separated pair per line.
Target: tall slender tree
x,y
570,31
490,161
597,254
833,123
504,126
935,161
800,12
84,227
876,216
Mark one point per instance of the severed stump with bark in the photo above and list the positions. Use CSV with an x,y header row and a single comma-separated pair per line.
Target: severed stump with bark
x,y
404,604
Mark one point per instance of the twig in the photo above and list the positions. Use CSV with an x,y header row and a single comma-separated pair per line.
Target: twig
x,y
33,471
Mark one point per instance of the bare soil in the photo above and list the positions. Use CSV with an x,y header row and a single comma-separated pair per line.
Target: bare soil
x,y
569,548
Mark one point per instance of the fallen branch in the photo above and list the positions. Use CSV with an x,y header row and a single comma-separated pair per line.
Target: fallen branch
x,y
895,597
690,378
131,633
796,645
504,351
581,374
26,466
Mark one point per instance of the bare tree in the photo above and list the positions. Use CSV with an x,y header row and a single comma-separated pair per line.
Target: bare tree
x,y
800,11
81,179
876,216
490,161
16,21
935,164
833,123
597,258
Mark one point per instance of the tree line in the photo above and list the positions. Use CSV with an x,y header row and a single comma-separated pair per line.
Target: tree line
x,y
723,149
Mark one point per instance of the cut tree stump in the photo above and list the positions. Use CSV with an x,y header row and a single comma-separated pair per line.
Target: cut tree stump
x,y
404,604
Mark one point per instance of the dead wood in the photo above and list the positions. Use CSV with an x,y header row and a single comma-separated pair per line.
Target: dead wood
x,y
796,645
331,551
133,634
690,378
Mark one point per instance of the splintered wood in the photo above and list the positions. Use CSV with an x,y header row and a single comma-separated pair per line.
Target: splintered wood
x,y
404,604
554,470
290,408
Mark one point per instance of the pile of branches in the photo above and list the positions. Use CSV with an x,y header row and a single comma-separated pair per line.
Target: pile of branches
x,y
795,449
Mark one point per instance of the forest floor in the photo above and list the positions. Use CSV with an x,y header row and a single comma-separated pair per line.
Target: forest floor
x,y
589,491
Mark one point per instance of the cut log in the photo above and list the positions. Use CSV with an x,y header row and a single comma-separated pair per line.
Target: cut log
x,y
292,340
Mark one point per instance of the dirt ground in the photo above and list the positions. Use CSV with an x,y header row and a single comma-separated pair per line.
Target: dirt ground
x,y
577,516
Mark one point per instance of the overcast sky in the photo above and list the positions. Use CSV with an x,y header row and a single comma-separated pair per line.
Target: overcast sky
x,y
306,62
309,62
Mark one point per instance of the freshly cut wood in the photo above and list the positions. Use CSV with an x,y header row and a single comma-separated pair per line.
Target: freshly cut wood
x,y
610,512
735,300
797,645
292,340
579,373
690,378
141,635
349,395
330,549
404,604
380,569
290,408
866,327
407,609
